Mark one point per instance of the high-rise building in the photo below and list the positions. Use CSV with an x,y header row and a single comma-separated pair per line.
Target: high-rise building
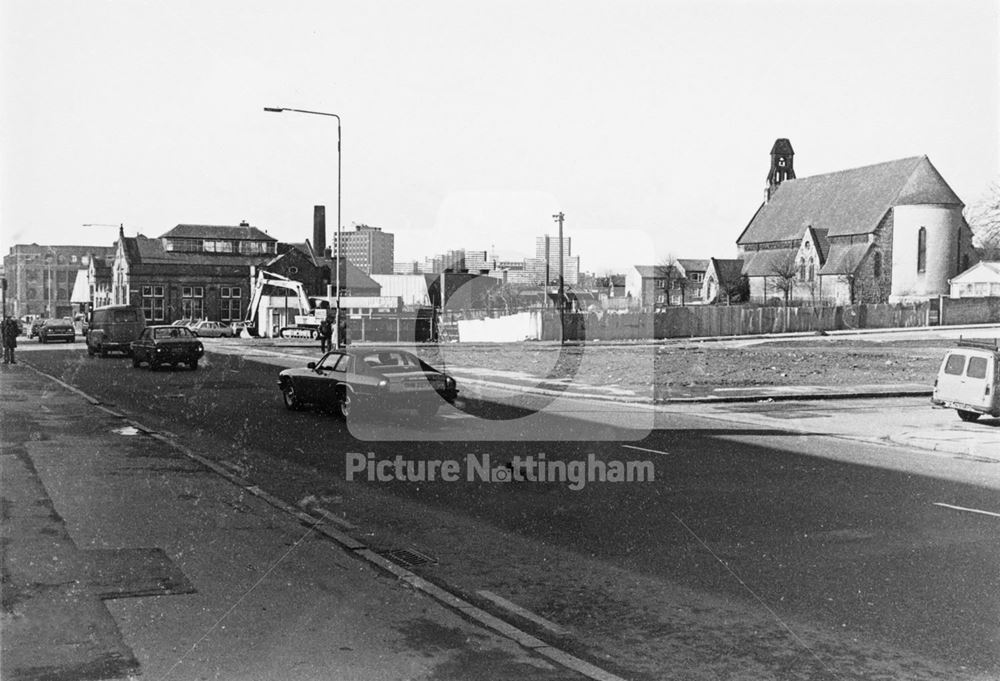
x,y
545,265
368,248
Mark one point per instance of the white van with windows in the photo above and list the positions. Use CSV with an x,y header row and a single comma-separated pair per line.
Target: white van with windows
x,y
969,380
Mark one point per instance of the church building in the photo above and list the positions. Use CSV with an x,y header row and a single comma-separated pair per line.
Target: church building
x,y
889,232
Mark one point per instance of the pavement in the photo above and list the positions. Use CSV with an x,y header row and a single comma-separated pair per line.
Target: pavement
x,y
126,555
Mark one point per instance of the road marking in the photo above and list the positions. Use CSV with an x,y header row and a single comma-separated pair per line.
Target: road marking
x,y
969,510
526,614
643,449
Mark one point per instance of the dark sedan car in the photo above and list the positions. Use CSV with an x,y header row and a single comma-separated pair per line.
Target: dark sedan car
x,y
56,329
371,378
161,345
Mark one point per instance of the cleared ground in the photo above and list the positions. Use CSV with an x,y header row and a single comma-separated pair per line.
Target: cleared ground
x,y
672,368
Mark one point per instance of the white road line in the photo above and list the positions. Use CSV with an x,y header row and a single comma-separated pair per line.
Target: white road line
x,y
643,449
969,510
526,614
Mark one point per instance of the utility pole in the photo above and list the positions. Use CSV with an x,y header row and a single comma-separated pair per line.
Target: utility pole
x,y
559,217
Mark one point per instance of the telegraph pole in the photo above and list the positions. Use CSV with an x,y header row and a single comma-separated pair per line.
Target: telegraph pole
x,y
559,217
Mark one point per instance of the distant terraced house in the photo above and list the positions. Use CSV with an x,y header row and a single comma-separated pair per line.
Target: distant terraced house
x,y
889,232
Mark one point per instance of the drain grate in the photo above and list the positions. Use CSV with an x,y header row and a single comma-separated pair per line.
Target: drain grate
x,y
408,558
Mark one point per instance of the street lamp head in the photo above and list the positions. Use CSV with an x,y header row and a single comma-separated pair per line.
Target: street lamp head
x,y
273,109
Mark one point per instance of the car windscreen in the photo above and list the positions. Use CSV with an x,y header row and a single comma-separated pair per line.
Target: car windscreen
x,y
172,332
123,316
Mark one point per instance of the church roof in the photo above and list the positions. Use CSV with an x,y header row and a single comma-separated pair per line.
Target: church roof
x,y
847,202
768,262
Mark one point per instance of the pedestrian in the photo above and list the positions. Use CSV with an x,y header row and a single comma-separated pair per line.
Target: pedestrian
x,y
325,333
9,330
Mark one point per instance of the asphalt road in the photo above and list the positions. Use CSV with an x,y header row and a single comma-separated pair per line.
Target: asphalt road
x,y
753,549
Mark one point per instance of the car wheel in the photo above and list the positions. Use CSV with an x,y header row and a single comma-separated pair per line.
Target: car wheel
x,y
193,364
292,401
42,339
90,350
101,351
967,415
135,361
348,404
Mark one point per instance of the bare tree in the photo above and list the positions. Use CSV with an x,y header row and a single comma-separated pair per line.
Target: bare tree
x,y
983,217
504,297
670,271
783,272
735,290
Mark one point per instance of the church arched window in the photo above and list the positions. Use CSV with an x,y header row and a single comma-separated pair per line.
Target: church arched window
x,y
812,270
877,265
922,250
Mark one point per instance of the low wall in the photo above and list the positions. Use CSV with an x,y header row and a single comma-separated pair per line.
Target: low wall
x,y
970,310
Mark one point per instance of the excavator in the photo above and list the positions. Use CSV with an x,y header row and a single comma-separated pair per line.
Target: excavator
x,y
306,322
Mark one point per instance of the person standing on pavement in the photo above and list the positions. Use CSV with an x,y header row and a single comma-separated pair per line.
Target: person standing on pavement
x,y
9,330
325,333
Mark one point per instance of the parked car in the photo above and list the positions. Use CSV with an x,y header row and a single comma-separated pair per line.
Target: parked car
x,y
211,329
113,328
166,344
374,378
56,329
969,380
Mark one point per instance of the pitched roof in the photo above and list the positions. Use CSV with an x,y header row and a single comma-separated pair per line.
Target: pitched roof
x,y
690,265
822,241
241,232
769,262
985,270
845,258
354,276
141,250
847,202
728,271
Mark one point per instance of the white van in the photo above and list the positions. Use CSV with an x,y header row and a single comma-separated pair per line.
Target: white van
x,y
969,380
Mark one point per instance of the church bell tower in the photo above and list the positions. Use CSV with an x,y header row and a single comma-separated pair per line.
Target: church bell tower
x,y
782,167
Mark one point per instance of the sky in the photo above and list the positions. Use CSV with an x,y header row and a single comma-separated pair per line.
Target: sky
x,y
648,123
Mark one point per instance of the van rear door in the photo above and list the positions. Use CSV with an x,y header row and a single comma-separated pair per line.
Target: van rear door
x,y
950,381
977,383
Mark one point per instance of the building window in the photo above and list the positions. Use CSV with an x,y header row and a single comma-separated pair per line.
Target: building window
x,y
153,306
812,270
219,246
877,265
922,250
192,302
229,307
802,270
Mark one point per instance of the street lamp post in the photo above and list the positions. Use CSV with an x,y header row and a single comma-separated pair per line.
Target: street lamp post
x,y
272,109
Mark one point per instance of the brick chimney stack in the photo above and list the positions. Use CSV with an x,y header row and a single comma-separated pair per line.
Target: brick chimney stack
x,y
319,228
